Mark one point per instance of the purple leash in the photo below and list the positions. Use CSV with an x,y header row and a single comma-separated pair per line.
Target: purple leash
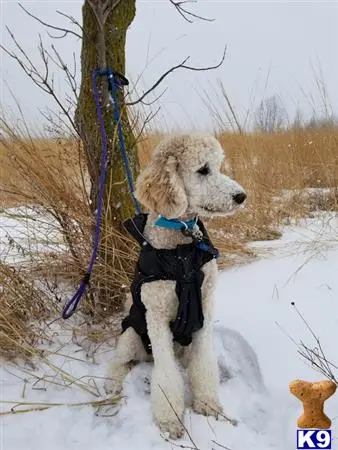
x,y
72,304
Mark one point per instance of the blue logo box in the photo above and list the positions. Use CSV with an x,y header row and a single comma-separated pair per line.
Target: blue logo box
x,y
314,439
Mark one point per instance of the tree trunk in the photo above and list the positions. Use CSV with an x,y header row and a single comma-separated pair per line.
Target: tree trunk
x,y
104,46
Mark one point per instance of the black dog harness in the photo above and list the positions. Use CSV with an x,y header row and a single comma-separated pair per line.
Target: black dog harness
x,y
183,265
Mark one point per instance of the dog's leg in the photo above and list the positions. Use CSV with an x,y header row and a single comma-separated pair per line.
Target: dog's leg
x,y
203,373
203,368
129,348
167,390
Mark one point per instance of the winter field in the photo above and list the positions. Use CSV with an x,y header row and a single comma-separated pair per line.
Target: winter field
x,y
56,401
282,248
256,75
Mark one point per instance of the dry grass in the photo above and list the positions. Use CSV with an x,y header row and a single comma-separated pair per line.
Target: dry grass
x,y
52,176
58,164
49,178
267,166
22,303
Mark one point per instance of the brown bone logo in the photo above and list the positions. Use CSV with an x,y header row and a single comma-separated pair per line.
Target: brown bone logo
x,y
313,396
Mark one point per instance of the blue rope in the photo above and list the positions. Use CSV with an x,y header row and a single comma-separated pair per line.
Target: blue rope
x,y
113,84
113,88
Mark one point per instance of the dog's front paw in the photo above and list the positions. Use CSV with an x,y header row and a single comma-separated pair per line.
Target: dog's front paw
x,y
113,386
173,428
207,407
115,377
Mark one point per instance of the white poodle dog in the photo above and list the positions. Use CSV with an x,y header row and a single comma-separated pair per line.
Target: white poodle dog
x,y
183,181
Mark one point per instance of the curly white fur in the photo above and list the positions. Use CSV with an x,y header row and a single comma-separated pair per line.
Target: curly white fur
x,y
183,180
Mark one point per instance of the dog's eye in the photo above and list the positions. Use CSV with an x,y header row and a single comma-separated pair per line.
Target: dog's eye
x,y
205,170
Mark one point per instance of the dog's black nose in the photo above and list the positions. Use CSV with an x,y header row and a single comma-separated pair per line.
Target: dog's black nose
x,y
239,198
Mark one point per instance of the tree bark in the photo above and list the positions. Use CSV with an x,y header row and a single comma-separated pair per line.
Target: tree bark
x,y
103,45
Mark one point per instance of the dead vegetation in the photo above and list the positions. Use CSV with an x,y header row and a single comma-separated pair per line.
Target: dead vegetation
x,y
44,187
22,304
287,175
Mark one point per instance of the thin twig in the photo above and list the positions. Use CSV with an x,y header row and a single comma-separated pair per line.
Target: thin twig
x,y
186,14
42,80
71,18
155,99
182,65
148,119
53,27
57,37
220,445
177,445
178,418
71,77
40,406
315,356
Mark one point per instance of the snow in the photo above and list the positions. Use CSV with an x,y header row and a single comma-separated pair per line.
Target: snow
x,y
254,321
27,231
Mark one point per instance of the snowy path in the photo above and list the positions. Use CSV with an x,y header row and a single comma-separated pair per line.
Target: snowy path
x,y
257,361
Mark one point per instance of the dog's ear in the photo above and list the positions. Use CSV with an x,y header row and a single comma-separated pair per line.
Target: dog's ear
x,y
160,188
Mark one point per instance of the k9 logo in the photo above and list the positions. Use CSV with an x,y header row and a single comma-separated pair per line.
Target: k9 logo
x,y
313,439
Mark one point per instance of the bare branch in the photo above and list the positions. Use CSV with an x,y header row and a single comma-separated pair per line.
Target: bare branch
x,y
23,53
71,18
158,82
57,37
28,68
188,15
42,80
155,99
53,27
147,120
44,58
56,123
182,65
71,77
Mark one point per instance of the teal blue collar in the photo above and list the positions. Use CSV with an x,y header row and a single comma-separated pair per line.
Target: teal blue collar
x,y
175,224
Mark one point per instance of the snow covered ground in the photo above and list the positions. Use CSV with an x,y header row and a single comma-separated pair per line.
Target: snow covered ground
x,y
26,230
254,321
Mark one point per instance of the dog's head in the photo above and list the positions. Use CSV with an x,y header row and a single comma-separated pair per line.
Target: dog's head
x,y
184,177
